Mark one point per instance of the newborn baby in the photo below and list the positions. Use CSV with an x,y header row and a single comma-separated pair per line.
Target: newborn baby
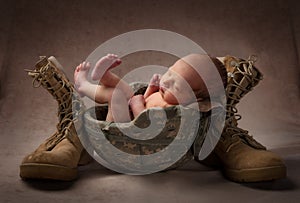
x,y
181,84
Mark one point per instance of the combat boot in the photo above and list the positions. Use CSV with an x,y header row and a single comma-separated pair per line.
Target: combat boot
x,y
239,155
57,157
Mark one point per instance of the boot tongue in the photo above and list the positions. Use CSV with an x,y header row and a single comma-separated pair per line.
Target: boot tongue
x,y
56,138
235,135
247,139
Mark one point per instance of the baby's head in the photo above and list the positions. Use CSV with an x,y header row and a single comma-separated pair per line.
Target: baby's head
x,y
182,82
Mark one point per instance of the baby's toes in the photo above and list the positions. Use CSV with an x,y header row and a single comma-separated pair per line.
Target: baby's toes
x,y
112,56
118,61
115,56
85,66
80,67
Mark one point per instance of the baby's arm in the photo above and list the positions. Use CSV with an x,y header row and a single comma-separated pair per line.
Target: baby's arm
x,y
153,85
137,104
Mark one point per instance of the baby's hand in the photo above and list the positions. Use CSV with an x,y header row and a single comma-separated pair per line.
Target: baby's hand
x,y
153,85
155,80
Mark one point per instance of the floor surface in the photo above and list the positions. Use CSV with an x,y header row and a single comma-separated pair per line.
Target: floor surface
x,y
71,30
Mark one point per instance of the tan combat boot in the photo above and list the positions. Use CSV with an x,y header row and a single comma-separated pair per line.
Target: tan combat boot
x,y
242,158
58,157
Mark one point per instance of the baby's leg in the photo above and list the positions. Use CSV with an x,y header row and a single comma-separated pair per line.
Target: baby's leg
x,y
109,79
117,101
98,93
118,110
101,70
137,104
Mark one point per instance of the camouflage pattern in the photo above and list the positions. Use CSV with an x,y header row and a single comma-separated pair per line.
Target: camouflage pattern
x,y
99,131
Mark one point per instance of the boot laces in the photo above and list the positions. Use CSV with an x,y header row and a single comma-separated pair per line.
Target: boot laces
x,y
41,77
244,69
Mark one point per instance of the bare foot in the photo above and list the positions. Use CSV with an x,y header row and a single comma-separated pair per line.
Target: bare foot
x,y
80,76
105,63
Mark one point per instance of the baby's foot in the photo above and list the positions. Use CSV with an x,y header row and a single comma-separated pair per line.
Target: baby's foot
x,y
80,77
105,63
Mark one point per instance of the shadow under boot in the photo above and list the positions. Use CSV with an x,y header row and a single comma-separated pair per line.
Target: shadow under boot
x,y
240,157
59,156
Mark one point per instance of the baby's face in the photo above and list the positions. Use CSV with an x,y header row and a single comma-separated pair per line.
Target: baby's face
x,y
179,83
182,81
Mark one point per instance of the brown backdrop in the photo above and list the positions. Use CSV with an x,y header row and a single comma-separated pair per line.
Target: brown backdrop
x,y
71,30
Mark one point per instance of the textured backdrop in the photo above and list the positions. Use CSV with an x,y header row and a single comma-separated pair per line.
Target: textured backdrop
x,y
71,30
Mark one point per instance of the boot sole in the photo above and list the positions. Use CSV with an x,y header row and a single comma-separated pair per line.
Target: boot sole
x,y
47,171
256,174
